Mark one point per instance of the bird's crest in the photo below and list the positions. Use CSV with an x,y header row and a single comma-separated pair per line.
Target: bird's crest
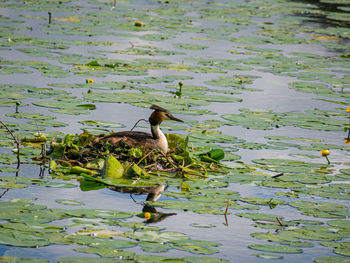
x,y
158,108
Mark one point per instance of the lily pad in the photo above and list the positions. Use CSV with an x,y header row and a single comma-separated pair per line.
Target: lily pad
x,y
69,202
268,256
276,249
105,124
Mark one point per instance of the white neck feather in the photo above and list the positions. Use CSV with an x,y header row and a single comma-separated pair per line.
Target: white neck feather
x,y
160,137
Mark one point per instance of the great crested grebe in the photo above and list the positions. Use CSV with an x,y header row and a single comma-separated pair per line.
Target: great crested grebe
x,y
156,140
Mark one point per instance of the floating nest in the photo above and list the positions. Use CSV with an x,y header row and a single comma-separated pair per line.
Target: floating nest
x,y
79,154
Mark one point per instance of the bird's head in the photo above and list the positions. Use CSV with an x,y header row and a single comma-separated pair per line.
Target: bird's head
x,y
160,114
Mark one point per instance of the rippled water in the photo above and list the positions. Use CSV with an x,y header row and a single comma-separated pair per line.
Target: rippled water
x,y
275,96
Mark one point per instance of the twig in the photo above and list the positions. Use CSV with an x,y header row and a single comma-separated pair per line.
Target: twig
x,y
132,45
170,161
16,141
144,157
43,152
18,160
49,17
277,175
227,206
149,166
42,171
226,221
279,221
225,215
4,192
138,123
7,128
17,104
37,127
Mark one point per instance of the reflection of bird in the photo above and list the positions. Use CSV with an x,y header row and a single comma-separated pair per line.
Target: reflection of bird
x,y
156,140
153,193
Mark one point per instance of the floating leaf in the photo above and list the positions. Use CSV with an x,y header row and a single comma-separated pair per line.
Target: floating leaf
x,y
268,256
106,124
276,248
69,202
332,259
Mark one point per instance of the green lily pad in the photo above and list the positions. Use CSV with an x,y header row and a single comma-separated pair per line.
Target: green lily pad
x,y
196,246
263,201
22,260
236,81
11,185
8,169
156,236
98,213
33,116
204,259
339,223
276,249
155,258
48,123
268,256
109,242
107,252
190,46
106,124
8,158
69,202
321,209
341,248
86,259
154,247
332,259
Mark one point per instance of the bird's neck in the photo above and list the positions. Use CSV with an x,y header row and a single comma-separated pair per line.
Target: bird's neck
x,y
159,136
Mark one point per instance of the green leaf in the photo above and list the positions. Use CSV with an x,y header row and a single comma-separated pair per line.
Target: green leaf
x,y
113,168
69,202
276,248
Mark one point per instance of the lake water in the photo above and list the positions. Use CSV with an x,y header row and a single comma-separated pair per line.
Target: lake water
x,y
273,76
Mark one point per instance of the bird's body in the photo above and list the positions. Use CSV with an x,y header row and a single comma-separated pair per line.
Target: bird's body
x,y
155,140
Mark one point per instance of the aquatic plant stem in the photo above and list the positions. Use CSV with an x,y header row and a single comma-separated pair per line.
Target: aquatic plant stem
x,y
16,141
227,206
328,160
279,221
277,175
37,127
148,154
43,153
225,214
4,192
17,105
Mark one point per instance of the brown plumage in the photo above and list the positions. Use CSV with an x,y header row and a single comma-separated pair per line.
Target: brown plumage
x,y
156,140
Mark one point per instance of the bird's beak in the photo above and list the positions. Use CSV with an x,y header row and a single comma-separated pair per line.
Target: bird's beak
x,y
171,117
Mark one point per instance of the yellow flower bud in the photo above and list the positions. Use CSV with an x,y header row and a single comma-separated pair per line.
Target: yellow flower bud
x,y
90,81
325,152
348,109
347,141
139,23
147,215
